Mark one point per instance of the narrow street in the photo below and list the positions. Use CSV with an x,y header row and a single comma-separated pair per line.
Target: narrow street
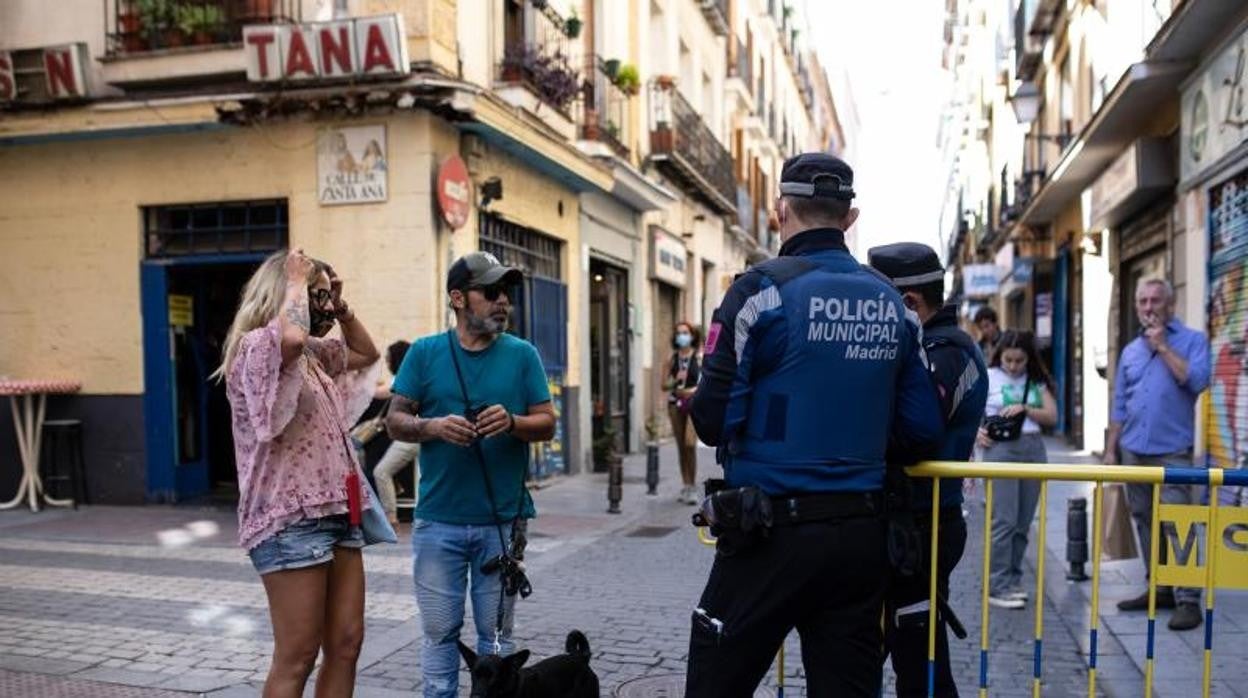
x,y
155,601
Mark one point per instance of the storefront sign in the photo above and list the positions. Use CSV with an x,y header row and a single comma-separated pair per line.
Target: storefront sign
x,y
454,191
1022,272
60,74
980,280
1214,118
1188,545
668,263
351,165
362,47
1044,315
1131,182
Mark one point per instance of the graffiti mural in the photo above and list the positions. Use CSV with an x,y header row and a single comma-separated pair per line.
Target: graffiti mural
x,y
1227,406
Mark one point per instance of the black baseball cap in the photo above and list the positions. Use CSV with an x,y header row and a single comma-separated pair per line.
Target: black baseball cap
x,y
907,264
480,269
817,175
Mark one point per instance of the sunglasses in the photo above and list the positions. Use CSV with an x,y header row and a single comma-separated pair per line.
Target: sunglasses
x,y
493,291
320,296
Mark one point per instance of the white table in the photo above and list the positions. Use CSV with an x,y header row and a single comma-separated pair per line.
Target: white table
x,y
28,398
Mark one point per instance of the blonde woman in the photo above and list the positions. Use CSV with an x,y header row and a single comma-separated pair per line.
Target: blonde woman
x,y
293,396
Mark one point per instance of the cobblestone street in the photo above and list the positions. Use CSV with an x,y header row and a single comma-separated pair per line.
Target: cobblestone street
x,y
93,603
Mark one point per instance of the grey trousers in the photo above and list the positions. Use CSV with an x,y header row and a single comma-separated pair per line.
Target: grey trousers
x,y
1013,507
1140,497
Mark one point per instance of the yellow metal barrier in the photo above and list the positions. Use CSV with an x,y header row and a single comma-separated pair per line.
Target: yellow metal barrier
x,y
1217,528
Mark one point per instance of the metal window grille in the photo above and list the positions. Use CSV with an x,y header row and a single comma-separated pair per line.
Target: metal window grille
x,y
217,228
524,248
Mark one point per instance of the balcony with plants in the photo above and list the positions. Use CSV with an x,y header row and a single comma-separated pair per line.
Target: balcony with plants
x,y
604,111
175,42
145,26
541,59
683,144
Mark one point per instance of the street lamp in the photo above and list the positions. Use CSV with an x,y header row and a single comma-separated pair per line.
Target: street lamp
x,y
1026,103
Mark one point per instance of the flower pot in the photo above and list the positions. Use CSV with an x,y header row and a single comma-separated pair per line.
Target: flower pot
x,y
666,82
611,66
572,27
172,38
661,139
202,37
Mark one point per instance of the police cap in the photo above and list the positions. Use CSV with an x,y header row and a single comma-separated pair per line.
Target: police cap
x,y
907,264
817,175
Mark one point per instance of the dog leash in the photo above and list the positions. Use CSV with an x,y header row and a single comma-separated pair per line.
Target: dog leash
x,y
489,491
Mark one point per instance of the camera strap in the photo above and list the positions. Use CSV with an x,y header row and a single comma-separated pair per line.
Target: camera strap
x,y
525,590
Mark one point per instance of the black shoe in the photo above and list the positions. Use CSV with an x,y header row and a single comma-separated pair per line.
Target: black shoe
x,y
1185,617
1165,599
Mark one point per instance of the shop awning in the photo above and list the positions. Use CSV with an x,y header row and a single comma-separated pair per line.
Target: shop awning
x,y
1126,113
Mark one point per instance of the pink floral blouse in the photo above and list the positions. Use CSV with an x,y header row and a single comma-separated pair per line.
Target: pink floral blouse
x,y
291,431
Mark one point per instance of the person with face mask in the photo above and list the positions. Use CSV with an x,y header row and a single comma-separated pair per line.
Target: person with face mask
x,y
474,397
294,395
681,383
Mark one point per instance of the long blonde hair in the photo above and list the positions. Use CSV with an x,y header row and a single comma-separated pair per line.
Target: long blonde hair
x,y
261,301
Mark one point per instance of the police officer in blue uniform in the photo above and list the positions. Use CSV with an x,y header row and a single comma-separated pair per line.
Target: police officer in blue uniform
x,y
962,385
810,368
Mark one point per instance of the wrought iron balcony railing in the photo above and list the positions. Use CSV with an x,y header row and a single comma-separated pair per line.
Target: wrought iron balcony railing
x,y
544,60
141,26
604,113
742,68
680,139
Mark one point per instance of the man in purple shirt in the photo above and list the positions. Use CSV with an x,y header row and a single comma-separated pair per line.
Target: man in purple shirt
x,y
1161,373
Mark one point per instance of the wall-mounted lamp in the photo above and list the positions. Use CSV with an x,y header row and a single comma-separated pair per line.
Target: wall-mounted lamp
x,y
491,190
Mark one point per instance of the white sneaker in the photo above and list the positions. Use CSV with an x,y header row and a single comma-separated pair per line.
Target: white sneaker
x,y
1017,594
1006,602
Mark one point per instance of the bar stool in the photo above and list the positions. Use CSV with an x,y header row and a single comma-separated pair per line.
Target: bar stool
x,y
62,458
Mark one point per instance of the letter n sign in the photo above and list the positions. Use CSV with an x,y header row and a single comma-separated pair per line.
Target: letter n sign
x,y
1184,546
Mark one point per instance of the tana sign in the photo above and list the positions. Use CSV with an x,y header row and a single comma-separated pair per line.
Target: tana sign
x,y
361,47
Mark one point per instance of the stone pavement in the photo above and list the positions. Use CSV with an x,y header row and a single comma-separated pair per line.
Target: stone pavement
x,y
1180,655
152,600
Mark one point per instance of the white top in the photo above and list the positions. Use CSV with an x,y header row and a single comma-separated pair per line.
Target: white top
x,y
1005,390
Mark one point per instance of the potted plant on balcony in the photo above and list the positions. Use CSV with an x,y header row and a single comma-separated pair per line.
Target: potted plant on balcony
x,y
572,26
628,79
665,82
556,81
200,22
158,21
130,27
610,67
590,130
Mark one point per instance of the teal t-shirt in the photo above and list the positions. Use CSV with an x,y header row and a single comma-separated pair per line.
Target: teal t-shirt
x,y
509,373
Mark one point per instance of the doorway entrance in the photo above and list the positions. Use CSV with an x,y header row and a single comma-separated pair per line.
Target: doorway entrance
x,y
199,257
610,384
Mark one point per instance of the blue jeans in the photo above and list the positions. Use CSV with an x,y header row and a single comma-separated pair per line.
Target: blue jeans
x,y
444,558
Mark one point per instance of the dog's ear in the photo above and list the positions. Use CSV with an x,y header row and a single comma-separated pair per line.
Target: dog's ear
x,y
470,657
517,660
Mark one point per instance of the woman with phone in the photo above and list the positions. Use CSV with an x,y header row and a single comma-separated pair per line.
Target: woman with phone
x,y
1020,403
293,397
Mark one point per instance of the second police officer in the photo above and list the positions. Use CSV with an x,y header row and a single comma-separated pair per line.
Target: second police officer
x,y
962,384
811,367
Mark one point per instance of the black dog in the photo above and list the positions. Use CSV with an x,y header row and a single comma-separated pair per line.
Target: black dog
x,y
562,676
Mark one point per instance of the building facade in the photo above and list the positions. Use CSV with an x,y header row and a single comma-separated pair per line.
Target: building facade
x,y
153,156
1070,171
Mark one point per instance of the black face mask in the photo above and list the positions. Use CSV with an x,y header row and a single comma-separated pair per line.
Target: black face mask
x,y
322,321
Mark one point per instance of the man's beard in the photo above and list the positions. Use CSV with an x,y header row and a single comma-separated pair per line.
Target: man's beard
x,y
487,325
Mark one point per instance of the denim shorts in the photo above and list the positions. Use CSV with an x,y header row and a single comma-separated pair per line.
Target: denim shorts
x,y
305,543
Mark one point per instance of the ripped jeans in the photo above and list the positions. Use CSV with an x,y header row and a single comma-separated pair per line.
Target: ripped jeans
x,y
445,558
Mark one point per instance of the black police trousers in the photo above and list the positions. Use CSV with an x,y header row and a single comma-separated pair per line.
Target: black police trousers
x,y
827,579
906,636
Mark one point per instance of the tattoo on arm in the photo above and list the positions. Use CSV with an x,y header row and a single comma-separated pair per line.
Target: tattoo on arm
x,y
297,314
402,422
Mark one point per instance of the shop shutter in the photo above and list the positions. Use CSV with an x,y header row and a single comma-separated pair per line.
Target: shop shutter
x,y
1226,419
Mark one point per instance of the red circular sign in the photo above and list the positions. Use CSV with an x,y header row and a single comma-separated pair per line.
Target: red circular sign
x,y
454,191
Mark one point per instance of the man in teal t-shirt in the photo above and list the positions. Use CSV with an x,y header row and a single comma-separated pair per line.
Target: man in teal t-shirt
x,y
455,531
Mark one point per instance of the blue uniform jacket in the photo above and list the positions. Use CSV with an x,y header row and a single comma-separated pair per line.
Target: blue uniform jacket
x,y
807,376
962,385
